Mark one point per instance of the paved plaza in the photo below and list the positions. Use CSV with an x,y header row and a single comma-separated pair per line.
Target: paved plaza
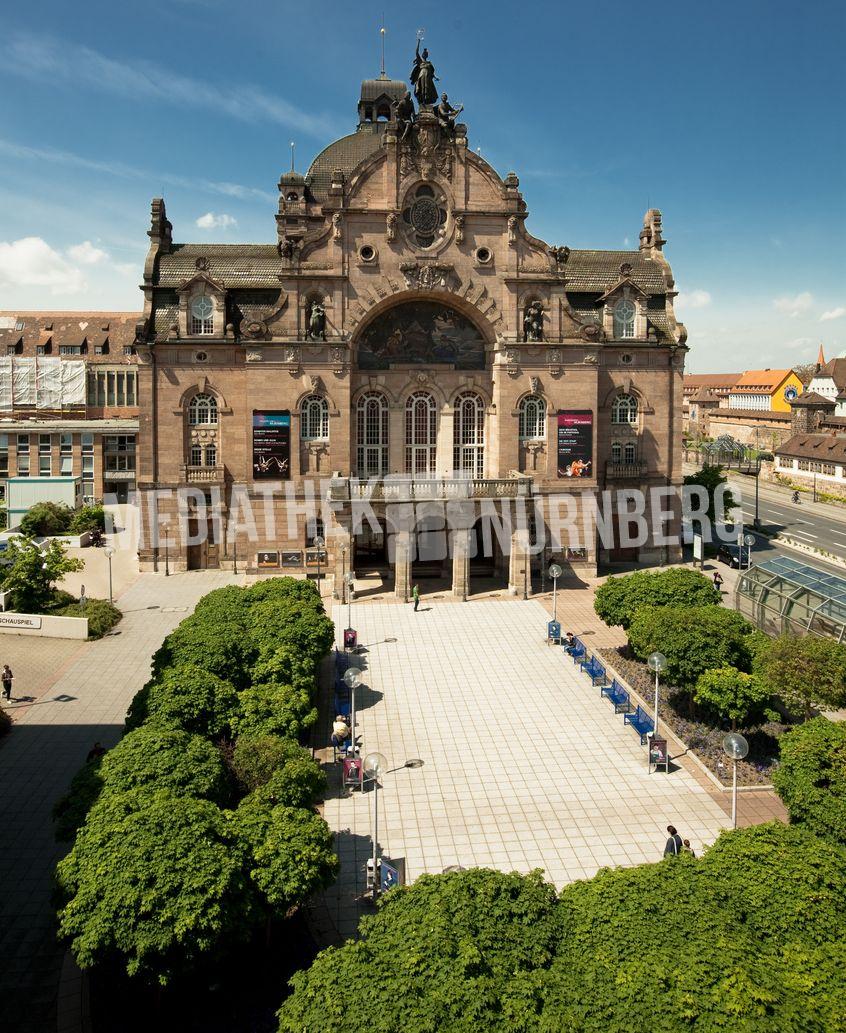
x,y
525,766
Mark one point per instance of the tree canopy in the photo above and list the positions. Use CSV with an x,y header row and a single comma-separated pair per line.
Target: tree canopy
x,y
732,694
807,672
617,600
811,778
32,572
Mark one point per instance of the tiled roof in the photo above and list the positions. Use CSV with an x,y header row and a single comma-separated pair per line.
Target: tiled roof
x,y
812,398
836,370
766,415
68,328
756,380
715,381
599,270
343,154
372,89
705,394
825,447
235,265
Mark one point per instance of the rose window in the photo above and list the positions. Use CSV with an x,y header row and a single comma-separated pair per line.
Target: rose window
x,y
425,216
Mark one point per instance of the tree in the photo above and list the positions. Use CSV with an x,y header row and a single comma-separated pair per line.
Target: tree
x,y
807,672
71,810
33,570
616,601
811,777
155,880
297,780
216,643
271,709
187,697
734,695
694,640
46,518
88,518
712,479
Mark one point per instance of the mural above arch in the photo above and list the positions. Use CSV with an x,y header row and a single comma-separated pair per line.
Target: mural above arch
x,y
421,332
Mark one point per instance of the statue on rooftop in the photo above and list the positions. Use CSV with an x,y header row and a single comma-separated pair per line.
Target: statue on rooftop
x,y
423,78
404,115
446,114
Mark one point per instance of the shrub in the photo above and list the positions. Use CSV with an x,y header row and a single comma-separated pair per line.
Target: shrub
x,y
71,810
88,518
156,879
811,779
189,698
102,615
256,760
270,709
31,572
217,645
732,694
808,673
616,601
299,783
46,518
694,639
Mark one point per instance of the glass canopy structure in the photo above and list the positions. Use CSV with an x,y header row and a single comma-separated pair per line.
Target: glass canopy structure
x,y
782,594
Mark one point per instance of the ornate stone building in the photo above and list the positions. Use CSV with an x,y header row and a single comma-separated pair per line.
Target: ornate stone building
x,y
406,338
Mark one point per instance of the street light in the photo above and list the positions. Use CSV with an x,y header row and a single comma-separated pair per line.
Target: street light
x,y
319,544
343,572
555,572
736,748
374,765
352,680
656,662
108,552
749,540
350,580
167,553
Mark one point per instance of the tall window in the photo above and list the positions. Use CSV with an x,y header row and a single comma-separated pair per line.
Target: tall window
x,y
23,455
202,410
624,319
196,455
314,419
616,452
211,455
45,459
202,316
88,466
532,418
624,409
421,433
469,435
629,453
372,434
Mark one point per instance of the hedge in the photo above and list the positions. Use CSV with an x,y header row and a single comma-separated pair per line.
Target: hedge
x,y
617,600
102,615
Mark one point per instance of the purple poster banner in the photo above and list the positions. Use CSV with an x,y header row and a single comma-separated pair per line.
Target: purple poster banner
x,y
575,443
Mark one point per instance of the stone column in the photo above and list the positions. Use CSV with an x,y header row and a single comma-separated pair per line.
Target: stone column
x,y
396,439
519,569
341,545
402,565
444,448
460,563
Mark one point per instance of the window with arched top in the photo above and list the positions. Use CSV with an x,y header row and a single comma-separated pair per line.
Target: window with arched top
x,y
202,410
469,435
630,453
372,434
616,452
624,409
314,419
421,434
624,318
532,418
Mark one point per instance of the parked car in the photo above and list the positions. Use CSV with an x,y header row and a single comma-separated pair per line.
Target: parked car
x,y
736,556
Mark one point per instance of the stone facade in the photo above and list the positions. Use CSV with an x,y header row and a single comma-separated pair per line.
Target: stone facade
x,y
414,330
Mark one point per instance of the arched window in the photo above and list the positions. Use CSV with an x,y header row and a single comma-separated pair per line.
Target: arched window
x,y
421,432
616,452
314,419
469,435
624,319
624,409
532,418
202,315
372,434
202,410
629,453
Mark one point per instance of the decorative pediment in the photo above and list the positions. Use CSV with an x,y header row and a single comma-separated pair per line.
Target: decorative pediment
x,y
201,283
624,282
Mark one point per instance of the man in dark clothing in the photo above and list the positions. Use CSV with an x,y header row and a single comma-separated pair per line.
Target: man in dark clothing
x,y
96,751
674,844
6,678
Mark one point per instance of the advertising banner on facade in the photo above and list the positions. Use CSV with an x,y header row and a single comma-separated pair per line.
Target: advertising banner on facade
x,y
575,443
271,445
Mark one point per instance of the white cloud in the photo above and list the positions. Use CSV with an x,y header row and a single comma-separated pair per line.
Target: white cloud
x,y
213,221
693,299
833,313
31,262
794,306
86,254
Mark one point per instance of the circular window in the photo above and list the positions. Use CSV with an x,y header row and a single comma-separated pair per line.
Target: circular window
x,y
200,357
202,308
367,253
627,358
483,255
425,216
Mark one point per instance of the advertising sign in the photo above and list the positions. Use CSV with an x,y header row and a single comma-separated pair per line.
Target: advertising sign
x,y
553,631
350,638
391,873
658,755
267,559
291,558
353,771
698,551
271,445
575,443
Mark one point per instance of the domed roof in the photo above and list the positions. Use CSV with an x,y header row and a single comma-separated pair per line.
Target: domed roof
x,y
292,178
343,155
373,89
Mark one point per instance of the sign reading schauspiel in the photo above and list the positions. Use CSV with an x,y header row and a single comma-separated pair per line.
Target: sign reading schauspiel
x,y
575,443
271,445
20,620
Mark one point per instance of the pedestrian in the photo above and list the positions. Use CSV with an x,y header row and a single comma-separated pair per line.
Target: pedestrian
x,y
718,580
415,595
688,849
340,731
6,678
96,751
674,845
569,642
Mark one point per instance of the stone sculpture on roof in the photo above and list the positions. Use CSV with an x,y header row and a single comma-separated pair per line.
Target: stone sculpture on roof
x,y
423,78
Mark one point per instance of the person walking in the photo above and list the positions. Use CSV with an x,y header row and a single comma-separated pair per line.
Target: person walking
x,y
688,849
415,595
6,678
674,845
718,580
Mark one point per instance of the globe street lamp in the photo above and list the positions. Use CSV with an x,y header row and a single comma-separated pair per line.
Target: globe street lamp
x,y
374,766
555,572
736,748
352,680
343,572
750,541
656,662
350,580
319,544
108,552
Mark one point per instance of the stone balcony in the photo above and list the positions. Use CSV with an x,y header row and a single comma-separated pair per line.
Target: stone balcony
x,y
625,471
203,474
426,489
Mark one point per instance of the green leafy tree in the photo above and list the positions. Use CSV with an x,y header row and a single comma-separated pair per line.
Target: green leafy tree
x,y
155,880
220,645
71,810
811,778
271,709
102,615
714,481
190,698
46,518
290,854
32,572
732,694
88,518
808,673
694,639
257,761
617,600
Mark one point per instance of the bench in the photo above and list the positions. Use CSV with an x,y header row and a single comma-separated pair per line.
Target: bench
x,y
577,651
641,722
342,705
594,669
617,695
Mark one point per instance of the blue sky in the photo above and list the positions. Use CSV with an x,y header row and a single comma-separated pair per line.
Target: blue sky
x,y
727,116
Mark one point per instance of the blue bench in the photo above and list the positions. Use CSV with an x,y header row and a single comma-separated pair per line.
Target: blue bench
x,y
594,669
342,705
617,695
577,651
641,722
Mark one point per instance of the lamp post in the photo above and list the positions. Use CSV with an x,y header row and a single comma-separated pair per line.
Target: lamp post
x,y
555,572
352,680
343,572
108,552
749,541
736,748
234,554
319,544
656,662
374,765
350,580
167,552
